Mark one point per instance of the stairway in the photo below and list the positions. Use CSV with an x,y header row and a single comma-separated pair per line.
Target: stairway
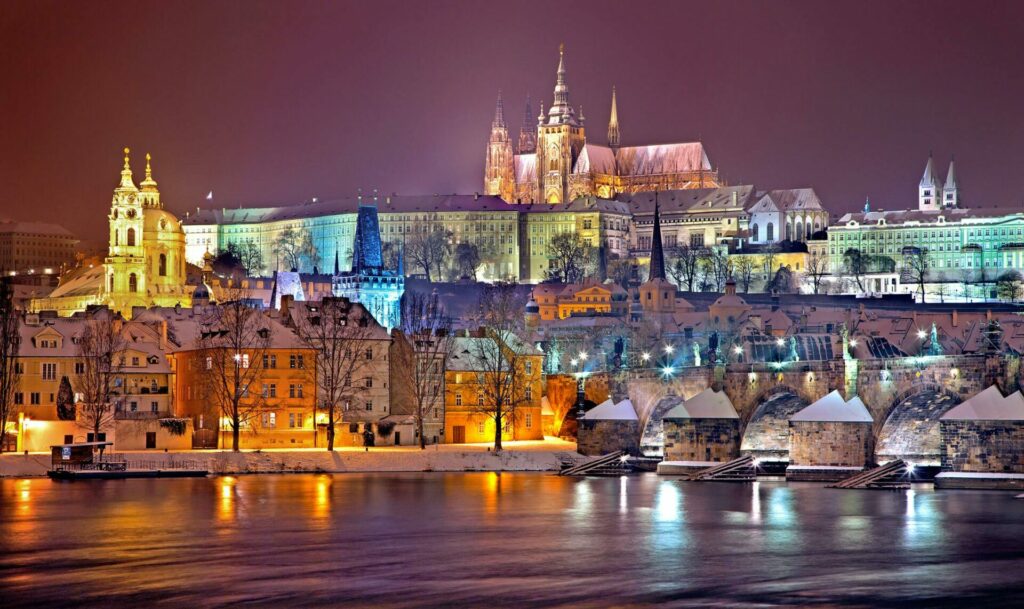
x,y
737,470
612,464
894,475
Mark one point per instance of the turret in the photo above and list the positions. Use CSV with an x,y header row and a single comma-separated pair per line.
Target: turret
x,y
528,132
498,176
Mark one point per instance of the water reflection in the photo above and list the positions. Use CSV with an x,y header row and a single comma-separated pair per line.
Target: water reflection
x,y
509,540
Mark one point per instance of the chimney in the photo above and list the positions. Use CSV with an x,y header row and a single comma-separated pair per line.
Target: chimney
x,y
286,303
163,334
730,286
956,318
988,315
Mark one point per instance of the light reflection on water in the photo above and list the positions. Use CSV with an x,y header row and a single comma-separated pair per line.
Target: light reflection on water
x,y
501,540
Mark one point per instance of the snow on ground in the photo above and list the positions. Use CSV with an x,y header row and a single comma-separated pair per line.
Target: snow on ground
x,y
537,455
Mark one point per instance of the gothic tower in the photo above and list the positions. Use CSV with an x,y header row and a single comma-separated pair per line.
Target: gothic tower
x,y
613,125
951,190
559,141
527,135
929,191
125,284
498,176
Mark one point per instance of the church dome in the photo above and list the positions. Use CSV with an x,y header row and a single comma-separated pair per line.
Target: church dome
x,y
160,223
532,306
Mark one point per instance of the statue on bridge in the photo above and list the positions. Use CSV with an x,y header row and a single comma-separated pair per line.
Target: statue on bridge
x,y
793,356
696,354
934,346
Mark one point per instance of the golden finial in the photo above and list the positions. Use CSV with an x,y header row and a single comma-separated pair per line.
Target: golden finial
x,y
561,48
126,151
149,171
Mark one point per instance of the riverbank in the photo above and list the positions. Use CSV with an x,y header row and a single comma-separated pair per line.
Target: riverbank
x,y
544,455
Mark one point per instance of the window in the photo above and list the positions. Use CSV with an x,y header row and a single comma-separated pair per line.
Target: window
x,y
245,360
298,390
131,238
479,399
209,363
480,427
528,394
19,368
273,390
529,420
458,399
133,406
162,267
369,353
353,427
291,419
19,398
154,406
369,381
34,398
270,419
133,283
529,367
369,404
291,390
135,361
49,372
269,362
770,232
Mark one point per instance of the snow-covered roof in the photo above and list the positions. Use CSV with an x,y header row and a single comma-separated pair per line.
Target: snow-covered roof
x,y
610,411
833,408
989,405
707,404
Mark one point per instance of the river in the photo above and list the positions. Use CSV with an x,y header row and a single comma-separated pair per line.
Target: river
x,y
508,540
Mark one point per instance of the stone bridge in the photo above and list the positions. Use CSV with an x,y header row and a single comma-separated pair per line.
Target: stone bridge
x,y
905,396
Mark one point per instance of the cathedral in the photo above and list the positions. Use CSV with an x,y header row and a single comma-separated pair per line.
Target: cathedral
x,y
145,262
555,164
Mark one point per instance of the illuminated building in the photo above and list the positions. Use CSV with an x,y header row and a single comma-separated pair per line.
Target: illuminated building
x,y
967,248
559,165
34,247
369,283
145,263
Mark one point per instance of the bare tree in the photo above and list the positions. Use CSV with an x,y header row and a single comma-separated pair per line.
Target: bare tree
x,y
101,348
917,265
505,376
744,270
966,278
817,269
570,257
467,259
9,342
233,340
428,250
855,264
684,269
423,347
1010,286
719,268
339,332
251,257
769,253
294,249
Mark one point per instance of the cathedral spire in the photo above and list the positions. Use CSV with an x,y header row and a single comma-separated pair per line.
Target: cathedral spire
x,y
951,189
561,112
149,184
657,253
527,134
613,124
499,114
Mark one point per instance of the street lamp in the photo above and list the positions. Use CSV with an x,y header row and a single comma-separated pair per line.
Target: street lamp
x,y
645,356
737,350
667,370
669,349
921,334
583,356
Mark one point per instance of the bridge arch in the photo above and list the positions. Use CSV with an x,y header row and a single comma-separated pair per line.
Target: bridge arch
x,y
909,429
766,435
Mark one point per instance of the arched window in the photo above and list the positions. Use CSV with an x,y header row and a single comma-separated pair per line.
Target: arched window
x,y
753,233
131,237
162,270
809,233
117,238
133,283
798,230
111,283
770,232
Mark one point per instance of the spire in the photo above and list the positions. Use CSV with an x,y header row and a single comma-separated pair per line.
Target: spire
x,y
337,262
613,124
657,253
867,204
540,116
951,190
561,112
951,175
149,184
929,178
528,133
499,114
126,173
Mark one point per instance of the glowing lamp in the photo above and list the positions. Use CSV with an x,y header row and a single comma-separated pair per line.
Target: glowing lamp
x,y
669,349
667,370
737,349
853,343
921,334
645,356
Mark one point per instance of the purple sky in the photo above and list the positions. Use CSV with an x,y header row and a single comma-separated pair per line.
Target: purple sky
x,y
279,102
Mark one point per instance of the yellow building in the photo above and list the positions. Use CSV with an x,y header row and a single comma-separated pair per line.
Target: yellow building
x,y
469,409
145,263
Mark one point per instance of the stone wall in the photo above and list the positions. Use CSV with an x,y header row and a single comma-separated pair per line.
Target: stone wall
x,y
603,437
701,439
983,446
837,444
747,385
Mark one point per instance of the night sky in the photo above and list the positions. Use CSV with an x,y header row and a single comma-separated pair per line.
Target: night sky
x,y
278,102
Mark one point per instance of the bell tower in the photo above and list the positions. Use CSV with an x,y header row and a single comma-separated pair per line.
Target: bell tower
x,y
560,138
125,264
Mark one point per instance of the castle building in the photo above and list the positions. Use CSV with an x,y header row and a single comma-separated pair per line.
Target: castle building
x,y
145,262
369,283
559,165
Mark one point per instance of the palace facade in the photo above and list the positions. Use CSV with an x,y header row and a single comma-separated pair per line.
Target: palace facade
x,y
557,164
